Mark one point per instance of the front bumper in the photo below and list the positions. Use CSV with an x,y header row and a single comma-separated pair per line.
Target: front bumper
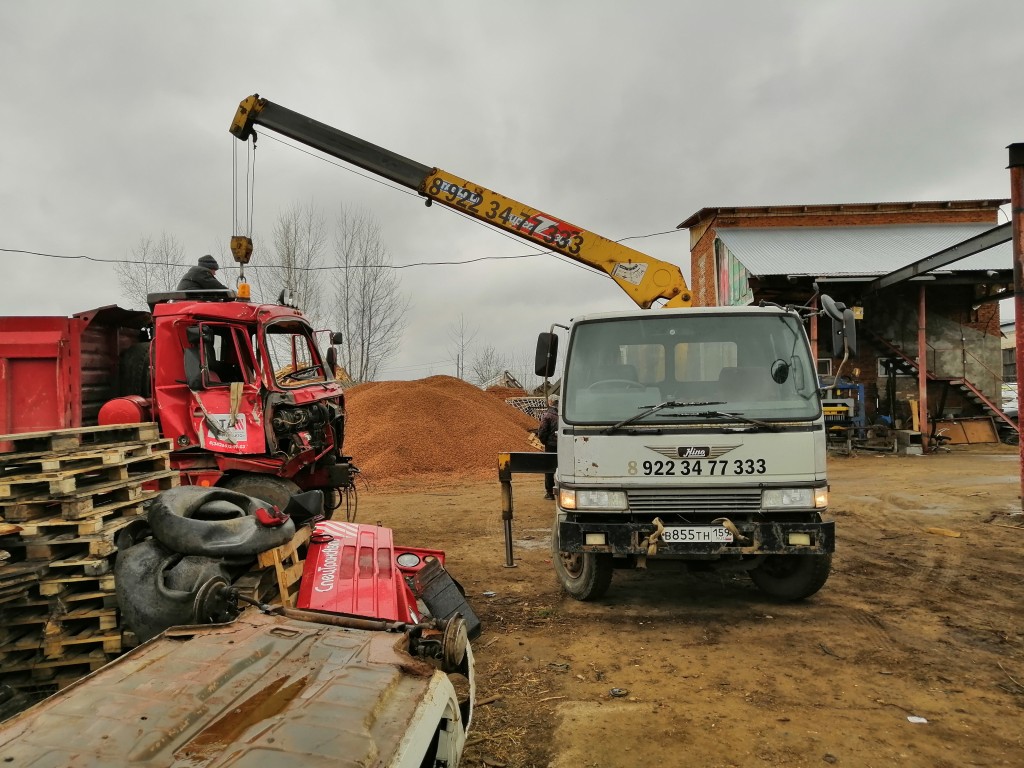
x,y
765,538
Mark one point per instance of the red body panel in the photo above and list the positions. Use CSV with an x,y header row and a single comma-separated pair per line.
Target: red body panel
x,y
352,569
56,372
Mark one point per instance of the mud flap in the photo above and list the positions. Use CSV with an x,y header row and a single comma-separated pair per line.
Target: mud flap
x,y
441,594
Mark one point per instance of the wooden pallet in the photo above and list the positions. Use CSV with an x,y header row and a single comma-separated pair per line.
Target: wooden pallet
x,y
81,481
106,519
55,585
35,463
78,438
90,508
63,547
18,579
56,611
287,563
41,668
61,635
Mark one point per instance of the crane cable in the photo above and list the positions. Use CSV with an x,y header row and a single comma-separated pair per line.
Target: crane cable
x,y
250,204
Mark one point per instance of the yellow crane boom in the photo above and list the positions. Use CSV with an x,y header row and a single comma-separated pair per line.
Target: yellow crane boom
x,y
645,279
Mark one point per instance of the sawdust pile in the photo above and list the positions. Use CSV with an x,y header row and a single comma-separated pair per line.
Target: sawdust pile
x,y
506,392
438,426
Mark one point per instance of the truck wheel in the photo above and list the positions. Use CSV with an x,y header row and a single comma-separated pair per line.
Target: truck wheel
x,y
792,577
583,575
133,376
271,489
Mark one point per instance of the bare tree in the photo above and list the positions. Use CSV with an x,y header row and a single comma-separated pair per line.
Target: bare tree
x,y
370,307
154,267
461,336
521,366
487,364
300,242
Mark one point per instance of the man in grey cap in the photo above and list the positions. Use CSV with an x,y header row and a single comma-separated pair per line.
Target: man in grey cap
x,y
202,275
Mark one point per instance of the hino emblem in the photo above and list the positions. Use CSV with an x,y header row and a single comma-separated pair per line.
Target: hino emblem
x,y
692,451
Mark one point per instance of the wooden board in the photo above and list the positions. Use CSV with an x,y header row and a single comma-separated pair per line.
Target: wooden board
x,y
979,429
287,565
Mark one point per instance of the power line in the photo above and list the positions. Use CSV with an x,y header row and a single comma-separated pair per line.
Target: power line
x,y
534,254
383,182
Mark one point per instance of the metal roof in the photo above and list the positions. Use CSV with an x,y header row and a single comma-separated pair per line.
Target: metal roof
x,y
819,209
856,251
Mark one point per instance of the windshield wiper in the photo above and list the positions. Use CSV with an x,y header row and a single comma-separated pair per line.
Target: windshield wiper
x,y
740,417
647,410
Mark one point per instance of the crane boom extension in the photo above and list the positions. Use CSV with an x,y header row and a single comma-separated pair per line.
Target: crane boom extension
x,y
645,279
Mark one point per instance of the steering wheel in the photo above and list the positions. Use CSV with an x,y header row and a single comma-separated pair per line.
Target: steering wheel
x,y
626,384
299,372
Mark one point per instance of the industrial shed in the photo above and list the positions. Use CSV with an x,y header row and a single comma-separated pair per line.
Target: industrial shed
x,y
875,258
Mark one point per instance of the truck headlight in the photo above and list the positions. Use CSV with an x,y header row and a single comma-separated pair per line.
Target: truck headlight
x,y
569,498
794,498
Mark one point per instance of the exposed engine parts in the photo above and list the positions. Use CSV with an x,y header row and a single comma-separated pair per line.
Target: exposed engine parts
x,y
299,428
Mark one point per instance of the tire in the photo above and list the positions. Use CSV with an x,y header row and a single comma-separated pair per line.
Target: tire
x,y
269,488
792,577
583,576
133,374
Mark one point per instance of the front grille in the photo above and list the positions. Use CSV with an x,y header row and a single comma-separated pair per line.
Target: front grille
x,y
660,502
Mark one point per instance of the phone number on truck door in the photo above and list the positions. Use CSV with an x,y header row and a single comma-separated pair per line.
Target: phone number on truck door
x,y
686,467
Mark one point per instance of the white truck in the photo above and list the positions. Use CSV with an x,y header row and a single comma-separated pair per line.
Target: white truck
x,y
693,435
687,434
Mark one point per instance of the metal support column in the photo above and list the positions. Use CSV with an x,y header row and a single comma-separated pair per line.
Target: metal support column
x,y
508,465
1016,167
922,371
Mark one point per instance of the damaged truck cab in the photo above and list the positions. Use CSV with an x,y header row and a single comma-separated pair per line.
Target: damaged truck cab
x,y
243,392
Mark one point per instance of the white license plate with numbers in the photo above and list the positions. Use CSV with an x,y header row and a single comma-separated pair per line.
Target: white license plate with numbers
x,y
696,534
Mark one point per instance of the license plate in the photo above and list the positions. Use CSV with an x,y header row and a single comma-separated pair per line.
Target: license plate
x,y
696,534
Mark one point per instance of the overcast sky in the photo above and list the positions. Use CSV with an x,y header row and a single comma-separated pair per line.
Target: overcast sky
x,y
623,118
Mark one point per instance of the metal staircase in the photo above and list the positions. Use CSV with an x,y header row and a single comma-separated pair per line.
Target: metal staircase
x,y
904,364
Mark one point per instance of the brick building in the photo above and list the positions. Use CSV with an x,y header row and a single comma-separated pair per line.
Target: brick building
x,y
777,253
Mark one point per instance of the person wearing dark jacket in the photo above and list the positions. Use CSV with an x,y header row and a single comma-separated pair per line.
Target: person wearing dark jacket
x,y
547,432
202,276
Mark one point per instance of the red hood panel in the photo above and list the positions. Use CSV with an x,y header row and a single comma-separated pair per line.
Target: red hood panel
x,y
350,569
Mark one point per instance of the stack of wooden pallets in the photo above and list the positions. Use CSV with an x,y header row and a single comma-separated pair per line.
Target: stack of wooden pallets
x,y
64,496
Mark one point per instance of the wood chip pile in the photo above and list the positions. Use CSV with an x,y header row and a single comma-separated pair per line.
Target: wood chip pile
x,y
506,392
439,426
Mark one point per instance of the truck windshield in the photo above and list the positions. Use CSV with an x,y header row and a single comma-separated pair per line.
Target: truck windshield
x,y
757,365
293,355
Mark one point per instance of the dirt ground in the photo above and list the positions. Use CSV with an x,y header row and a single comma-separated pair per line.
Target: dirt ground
x,y
921,618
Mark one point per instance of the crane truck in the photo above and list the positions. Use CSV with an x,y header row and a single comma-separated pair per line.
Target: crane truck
x,y
687,436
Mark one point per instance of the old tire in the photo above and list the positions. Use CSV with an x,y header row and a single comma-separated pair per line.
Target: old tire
x,y
584,575
133,375
271,489
792,577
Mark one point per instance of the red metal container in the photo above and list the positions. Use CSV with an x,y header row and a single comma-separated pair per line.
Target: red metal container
x,y
55,372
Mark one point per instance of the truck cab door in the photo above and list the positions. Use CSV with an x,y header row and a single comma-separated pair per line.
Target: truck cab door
x,y
228,412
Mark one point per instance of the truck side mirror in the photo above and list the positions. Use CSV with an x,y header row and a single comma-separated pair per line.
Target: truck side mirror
x,y
844,334
546,355
336,337
844,327
332,360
